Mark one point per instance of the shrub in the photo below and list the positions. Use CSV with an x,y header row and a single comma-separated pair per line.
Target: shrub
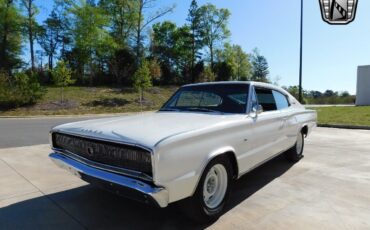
x,y
142,78
62,77
19,90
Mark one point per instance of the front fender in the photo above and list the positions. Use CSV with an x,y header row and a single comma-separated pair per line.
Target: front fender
x,y
212,155
179,170
180,161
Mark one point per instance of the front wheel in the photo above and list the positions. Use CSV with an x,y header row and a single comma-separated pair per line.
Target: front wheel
x,y
212,192
296,152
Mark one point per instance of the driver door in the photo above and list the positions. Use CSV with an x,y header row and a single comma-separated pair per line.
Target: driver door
x,y
266,128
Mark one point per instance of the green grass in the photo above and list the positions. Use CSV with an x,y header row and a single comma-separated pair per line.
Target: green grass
x,y
93,100
359,116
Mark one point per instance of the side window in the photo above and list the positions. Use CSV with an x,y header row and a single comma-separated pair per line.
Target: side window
x,y
281,100
266,99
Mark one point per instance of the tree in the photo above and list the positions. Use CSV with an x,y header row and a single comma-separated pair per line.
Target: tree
x,y
141,23
91,37
163,42
195,35
62,77
330,93
122,66
207,75
50,36
293,90
183,52
142,79
10,36
315,94
123,16
223,70
172,48
345,94
237,61
243,66
31,26
260,68
62,10
155,69
214,27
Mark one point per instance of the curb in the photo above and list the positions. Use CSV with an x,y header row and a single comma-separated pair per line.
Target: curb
x,y
344,126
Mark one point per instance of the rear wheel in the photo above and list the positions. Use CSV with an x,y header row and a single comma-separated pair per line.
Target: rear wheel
x,y
296,152
212,192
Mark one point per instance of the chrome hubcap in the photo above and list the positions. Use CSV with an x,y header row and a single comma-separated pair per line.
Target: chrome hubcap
x,y
215,185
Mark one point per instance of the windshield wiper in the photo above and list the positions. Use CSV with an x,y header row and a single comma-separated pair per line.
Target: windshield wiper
x,y
193,109
202,110
168,110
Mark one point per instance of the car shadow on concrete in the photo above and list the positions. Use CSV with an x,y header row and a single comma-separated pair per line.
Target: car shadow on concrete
x,y
87,207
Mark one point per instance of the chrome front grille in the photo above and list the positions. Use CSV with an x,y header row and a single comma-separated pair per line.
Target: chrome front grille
x,y
112,154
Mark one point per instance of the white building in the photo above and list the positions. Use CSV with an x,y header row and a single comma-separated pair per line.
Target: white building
x,y
363,85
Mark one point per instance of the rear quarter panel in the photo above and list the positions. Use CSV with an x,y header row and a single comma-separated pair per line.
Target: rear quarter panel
x,y
307,118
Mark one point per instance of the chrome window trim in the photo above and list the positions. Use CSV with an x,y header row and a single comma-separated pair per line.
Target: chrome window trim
x,y
250,102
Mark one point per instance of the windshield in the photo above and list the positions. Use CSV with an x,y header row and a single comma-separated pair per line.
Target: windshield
x,y
223,98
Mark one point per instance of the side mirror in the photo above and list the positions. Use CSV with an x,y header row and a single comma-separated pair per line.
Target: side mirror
x,y
256,110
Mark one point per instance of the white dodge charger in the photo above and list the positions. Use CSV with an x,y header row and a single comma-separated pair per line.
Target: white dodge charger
x,y
205,137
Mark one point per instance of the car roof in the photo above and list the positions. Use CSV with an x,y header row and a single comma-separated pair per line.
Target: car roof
x,y
219,83
262,84
253,83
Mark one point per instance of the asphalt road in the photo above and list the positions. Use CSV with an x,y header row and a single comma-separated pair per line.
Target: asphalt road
x,y
328,189
19,132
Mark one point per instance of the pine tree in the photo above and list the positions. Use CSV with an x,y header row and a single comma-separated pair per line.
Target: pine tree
x,y
142,78
260,67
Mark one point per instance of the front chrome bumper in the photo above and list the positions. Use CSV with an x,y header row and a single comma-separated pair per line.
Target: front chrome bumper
x,y
121,185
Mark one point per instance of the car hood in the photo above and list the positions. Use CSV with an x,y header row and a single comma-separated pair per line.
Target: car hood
x,y
145,129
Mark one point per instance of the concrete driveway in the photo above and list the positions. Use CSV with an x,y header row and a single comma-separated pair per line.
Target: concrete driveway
x,y
328,189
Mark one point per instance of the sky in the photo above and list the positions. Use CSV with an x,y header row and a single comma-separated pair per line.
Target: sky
x,y
331,53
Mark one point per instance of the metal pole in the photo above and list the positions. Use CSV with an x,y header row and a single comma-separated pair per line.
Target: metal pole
x,y
300,56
